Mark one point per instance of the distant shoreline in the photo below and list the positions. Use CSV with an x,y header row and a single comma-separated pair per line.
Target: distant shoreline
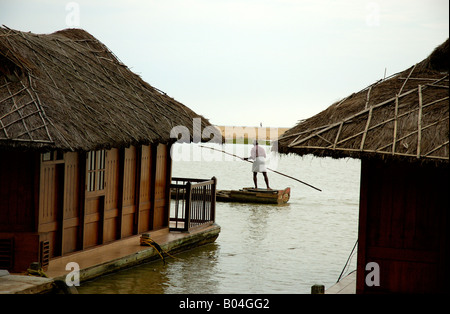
x,y
246,134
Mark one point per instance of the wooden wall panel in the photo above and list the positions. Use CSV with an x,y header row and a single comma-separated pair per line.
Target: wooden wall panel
x,y
19,173
93,221
404,227
145,190
112,179
129,180
26,249
71,237
51,200
111,227
47,199
94,201
160,215
71,210
129,192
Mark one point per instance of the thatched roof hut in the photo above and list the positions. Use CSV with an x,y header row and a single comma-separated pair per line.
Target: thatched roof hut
x,y
405,117
399,128
68,91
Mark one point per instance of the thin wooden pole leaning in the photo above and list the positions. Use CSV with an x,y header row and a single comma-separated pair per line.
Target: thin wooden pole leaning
x,y
219,150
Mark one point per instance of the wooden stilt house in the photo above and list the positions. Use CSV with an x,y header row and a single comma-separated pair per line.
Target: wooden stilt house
x,y
84,147
399,128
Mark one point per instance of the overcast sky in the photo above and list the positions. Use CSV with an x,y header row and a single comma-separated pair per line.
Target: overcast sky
x,y
246,62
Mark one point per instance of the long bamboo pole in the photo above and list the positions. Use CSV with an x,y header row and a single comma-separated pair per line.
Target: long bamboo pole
x,y
277,172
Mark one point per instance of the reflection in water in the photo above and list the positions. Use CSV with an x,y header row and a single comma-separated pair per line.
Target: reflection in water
x,y
188,272
194,271
261,248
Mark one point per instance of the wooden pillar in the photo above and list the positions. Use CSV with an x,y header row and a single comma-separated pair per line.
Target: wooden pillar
x,y
318,289
120,191
361,257
137,188
187,219
168,182
82,198
153,153
213,199
161,186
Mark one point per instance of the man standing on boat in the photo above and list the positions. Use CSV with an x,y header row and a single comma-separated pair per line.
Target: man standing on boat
x,y
258,154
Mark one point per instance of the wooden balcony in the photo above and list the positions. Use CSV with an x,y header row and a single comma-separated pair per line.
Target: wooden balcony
x,y
193,203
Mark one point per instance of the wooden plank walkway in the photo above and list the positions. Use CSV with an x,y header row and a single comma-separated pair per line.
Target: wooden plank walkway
x,y
11,284
108,258
128,252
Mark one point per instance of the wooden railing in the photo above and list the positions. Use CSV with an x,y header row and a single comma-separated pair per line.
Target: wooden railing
x,y
193,203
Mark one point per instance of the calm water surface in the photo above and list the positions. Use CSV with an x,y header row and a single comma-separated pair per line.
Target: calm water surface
x,y
261,248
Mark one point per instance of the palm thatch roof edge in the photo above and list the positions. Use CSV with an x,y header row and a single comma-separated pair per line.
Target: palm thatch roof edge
x,y
68,91
403,117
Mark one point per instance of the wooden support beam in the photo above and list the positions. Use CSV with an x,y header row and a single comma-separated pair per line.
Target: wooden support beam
x,y
394,140
121,165
337,135
366,129
419,122
137,190
82,198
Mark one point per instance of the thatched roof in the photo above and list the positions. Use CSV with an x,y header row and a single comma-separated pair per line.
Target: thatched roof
x,y
67,91
405,116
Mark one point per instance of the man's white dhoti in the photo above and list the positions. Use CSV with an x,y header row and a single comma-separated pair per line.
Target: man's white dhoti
x,y
259,165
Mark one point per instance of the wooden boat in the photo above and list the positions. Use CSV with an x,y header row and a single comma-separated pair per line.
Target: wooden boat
x,y
252,195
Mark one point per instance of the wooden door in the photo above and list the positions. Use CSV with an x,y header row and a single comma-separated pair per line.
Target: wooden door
x,y
19,189
145,181
162,176
51,197
111,224
71,223
404,227
129,192
95,198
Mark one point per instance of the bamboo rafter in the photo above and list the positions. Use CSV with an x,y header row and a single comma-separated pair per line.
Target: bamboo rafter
x,y
406,114
337,142
298,135
335,145
329,127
